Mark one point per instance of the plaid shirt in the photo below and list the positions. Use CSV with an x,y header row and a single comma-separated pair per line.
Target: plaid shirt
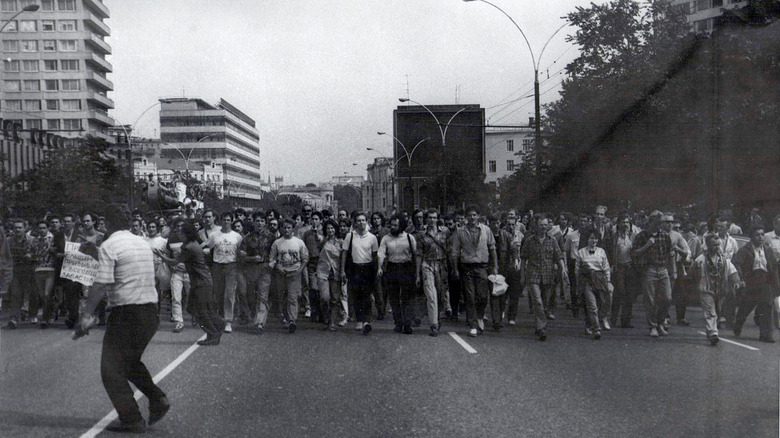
x,y
660,254
433,245
542,259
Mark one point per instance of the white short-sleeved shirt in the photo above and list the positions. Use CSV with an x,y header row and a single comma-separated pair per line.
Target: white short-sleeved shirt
x,y
127,268
363,247
224,246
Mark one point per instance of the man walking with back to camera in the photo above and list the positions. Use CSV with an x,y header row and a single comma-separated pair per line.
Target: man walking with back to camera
x,y
126,277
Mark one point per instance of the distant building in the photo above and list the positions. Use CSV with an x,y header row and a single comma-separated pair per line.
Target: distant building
x,y
507,148
703,13
354,180
55,67
438,173
319,197
378,189
194,131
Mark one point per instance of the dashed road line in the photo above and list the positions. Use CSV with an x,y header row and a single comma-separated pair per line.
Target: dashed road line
x,y
111,416
735,343
462,343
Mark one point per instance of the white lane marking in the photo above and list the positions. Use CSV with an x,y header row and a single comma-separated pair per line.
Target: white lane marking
x,y
111,416
735,343
462,343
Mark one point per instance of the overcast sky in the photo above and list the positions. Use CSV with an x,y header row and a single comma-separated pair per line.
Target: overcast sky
x,y
321,77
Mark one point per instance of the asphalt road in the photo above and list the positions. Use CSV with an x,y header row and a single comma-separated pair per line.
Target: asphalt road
x,y
321,384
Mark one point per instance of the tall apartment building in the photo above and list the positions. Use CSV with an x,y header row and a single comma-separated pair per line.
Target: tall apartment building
x,y
194,131
702,13
55,67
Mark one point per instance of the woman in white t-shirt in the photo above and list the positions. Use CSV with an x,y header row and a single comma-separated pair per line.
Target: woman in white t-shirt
x,y
593,281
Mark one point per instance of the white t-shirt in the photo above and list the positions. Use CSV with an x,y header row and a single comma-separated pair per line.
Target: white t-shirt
x,y
363,247
157,242
224,246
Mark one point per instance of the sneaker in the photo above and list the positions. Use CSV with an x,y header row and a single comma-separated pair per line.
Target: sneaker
x,y
667,323
307,314
550,316
359,326
259,329
178,327
512,322
597,335
605,325
662,331
34,320
291,328
342,323
473,333
366,328
228,328
12,324
714,339
653,332
588,331
434,331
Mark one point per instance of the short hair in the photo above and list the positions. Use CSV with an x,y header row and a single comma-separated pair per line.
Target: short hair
x,y
42,221
227,214
332,223
471,208
601,208
755,228
209,210
176,221
431,211
92,216
239,211
189,230
709,236
288,221
402,222
51,218
360,213
258,214
297,216
316,214
140,223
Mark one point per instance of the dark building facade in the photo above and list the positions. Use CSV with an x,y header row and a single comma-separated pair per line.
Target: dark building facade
x,y
446,170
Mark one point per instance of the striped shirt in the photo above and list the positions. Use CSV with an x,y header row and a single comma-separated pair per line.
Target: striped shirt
x,y
127,268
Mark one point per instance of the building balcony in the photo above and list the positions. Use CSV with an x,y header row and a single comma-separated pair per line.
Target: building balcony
x,y
92,21
97,7
100,99
102,135
102,82
99,63
101,116
97,43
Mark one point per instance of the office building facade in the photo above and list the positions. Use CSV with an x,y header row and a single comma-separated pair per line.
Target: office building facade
x,y
194,131
703,13
506,149
55,70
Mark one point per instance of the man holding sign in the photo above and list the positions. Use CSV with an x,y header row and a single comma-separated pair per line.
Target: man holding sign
x,y
126,277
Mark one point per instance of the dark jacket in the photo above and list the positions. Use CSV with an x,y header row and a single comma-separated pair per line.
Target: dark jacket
x,y
743,261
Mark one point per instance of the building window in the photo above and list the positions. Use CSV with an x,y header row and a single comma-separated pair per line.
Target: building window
x,y
492,166
9,86
47,5
510,165
53,124
24,3
69,65
527,143
49,46
30,65
28,26
66,5
71,124
47,26
71,105
510,145
29,46
12,65
32,85
8,5
50,85
717,3
52,105
67,45
10,45
12,26
34,123
32,105
66,25
70,85
49,65
13,105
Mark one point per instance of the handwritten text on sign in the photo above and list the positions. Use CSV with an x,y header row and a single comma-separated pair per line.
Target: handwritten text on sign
x,y
77,266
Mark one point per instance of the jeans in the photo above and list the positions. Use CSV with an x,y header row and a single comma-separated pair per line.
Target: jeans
x,y
128,332
708,307
658,294
330,298
44,282
180,287
537,293
595,300
258,280
225,277
475,292
434,279
513,294
400,286
362,281
291,282
205,314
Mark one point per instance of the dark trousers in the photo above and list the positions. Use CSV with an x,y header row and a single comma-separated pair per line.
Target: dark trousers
x,y
456,289
362,282
573,288
400,288
71,292
129,330
680,296
513,294
475,291
756,297
205,310
623,298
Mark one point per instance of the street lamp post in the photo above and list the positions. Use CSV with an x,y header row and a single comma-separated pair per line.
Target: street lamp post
x,y
443,133
28,8
407,154
537,109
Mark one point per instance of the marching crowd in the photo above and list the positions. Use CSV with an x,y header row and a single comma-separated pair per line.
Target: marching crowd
x,y
237,268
